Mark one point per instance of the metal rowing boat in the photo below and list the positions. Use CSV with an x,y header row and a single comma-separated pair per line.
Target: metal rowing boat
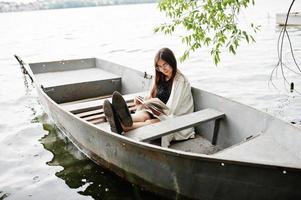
x,y
239,152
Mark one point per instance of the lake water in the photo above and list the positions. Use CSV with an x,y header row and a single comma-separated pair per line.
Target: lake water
x,y
38,162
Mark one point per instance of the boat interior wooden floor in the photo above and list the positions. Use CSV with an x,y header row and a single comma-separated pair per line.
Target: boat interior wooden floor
x,y
91,110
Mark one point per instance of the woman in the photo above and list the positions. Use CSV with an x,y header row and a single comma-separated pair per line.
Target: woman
x,y
170,86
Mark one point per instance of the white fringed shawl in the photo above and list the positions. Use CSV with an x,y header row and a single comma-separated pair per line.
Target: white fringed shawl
x,y
180,102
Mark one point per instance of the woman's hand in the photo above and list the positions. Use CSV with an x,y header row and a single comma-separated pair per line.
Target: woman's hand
x,y
137,101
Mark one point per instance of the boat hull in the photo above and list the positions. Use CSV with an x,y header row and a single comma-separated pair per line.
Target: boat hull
x,y
174,173
171,173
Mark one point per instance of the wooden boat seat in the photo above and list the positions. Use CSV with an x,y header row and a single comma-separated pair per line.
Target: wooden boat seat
x,y
71,85
157,130
92,109
94,103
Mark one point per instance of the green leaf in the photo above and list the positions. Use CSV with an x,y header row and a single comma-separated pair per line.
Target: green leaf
x,y
231,49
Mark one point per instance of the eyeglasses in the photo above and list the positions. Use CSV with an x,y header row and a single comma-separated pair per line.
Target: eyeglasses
x,y
164,66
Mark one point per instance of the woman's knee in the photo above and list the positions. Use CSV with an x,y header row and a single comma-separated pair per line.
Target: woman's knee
x,y
151,121
148,121
141,116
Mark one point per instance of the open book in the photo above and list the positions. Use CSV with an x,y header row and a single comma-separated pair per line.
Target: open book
x,y
153,105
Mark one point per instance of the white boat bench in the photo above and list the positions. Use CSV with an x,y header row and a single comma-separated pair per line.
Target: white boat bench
x,y
157,130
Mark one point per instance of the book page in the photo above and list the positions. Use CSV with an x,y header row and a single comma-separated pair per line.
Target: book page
x,y
154,105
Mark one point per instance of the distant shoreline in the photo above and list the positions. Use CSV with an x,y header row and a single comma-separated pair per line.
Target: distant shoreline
x,y
63,4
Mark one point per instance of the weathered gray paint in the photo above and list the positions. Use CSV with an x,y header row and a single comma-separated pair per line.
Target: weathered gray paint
x,y
72,85
62,65
67,93
133,81
171,125
190,174
242,121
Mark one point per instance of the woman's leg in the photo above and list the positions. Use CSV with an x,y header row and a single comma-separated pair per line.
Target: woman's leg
x,y
140,124
140,116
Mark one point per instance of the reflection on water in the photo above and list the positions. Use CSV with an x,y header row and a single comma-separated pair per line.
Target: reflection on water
x,y
80,172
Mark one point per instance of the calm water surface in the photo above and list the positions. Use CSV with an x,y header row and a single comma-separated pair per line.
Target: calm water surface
x,y
38,162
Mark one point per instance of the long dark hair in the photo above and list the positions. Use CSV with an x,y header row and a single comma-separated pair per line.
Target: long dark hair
x,y
168,56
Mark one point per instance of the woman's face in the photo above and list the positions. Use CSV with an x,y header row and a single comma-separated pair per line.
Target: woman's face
x,y
164,68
